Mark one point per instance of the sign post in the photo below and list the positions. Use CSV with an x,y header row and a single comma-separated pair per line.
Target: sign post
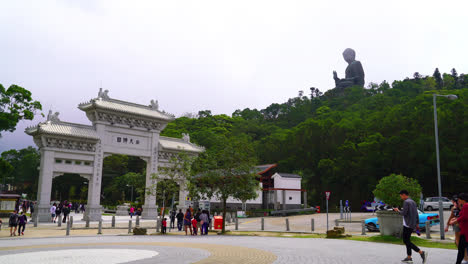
x,y
327,195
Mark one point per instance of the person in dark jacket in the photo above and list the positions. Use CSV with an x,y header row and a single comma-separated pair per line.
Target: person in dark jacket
x,y
180,220
22,220
173,216
410,223
13,223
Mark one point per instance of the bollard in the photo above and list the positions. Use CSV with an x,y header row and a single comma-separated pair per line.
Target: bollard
x,y
59,221
68,228
36,219
87,222
287,224
428,229
129,226
336,222
312,224
363,227
71,221
237,223
137,224
263,223
211,225
157,226
113,221
100,227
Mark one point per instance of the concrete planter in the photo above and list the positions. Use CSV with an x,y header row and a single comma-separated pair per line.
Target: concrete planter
x,y
390,223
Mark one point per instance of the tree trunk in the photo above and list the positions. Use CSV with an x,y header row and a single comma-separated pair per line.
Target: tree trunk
x,y
224,216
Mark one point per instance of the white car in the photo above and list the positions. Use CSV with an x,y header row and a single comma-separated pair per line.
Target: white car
x,y
432,203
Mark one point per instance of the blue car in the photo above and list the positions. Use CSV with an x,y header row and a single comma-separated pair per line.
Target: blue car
x,y
373,225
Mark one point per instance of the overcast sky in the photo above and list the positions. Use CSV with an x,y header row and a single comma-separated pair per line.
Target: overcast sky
x,y
218,55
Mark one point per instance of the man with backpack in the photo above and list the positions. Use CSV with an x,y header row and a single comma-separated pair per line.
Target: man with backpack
x,y
13,223
22,220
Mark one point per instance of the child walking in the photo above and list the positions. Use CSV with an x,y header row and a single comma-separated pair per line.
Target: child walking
x,y
194,224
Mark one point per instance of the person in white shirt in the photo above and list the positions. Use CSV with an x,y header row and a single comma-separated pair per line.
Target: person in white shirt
x,y
52,212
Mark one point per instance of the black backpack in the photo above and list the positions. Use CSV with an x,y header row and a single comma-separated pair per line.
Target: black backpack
x,y
13,219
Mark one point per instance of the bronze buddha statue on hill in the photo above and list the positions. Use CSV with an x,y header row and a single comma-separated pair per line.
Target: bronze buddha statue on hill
x,y
354,74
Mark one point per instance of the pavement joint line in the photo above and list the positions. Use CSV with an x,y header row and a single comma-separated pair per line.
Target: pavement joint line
x,y
227,254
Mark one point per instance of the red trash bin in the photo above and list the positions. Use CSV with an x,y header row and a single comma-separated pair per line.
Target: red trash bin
x,y
218,222
318,209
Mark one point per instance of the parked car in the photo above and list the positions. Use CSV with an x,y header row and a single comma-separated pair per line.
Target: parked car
x,y
372,224
432,203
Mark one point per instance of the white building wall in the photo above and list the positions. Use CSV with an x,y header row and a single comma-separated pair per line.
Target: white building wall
x,y
257,200
288,183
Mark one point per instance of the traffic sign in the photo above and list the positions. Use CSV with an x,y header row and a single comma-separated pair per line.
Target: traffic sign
x,y
327,194
347,203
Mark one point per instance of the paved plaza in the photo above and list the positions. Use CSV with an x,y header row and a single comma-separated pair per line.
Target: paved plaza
x,y
211,249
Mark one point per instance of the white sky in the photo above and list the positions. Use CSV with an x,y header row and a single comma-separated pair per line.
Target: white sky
x,y
218,55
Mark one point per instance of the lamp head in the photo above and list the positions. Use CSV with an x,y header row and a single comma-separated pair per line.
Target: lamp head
x,y
452,97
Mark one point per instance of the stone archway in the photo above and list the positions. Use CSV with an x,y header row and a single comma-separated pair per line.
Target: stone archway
x,y
118,127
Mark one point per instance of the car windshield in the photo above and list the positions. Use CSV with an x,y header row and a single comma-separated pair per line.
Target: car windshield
x,y
420,212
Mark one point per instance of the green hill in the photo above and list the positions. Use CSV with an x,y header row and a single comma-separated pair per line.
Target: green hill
x,y
346,142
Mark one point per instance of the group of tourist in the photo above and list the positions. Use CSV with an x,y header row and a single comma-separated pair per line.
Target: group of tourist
x,y
458,220
194,222
56,210
17,222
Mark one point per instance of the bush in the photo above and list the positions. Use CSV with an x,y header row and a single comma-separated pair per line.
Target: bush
x,y
389,187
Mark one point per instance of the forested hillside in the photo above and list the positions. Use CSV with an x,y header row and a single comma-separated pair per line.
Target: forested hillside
x,y
346,142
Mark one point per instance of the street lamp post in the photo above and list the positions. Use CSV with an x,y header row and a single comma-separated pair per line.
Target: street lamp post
x,y
439,181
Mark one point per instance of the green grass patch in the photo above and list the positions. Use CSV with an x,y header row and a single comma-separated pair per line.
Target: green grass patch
x,y
397,241
376,239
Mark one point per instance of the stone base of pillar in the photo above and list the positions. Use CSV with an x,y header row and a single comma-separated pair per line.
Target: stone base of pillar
x,y
149,212
43,213
92,212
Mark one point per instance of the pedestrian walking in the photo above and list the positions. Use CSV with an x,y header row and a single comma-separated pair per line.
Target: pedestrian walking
x,y
66,212
462,222
455,213
132,211
410,224
197,217
204,221
195,227
180,220
188,221
53,210
173,216
164,226
31,208
13,222
22,221
58,212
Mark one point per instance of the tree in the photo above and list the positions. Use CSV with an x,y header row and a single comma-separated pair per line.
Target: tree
x,y
16,104
165,181
25,174
438,78
389,188
5,171
226,173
